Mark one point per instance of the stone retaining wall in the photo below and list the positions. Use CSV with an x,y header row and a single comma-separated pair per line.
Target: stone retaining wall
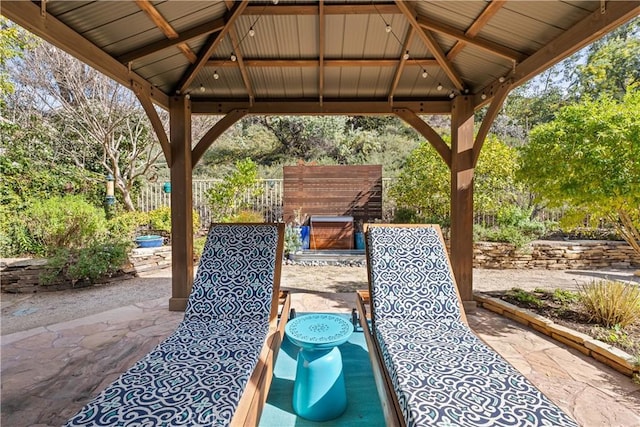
x,y
556,255
23,275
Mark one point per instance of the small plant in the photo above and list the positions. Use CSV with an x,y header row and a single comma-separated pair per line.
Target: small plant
x,y
292,239
86,264
198,246
564,297
525,297
610,302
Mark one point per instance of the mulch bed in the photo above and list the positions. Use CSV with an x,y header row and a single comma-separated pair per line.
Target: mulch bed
x,y
571,313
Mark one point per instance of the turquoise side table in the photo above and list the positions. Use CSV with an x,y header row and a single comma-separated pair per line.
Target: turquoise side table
x,y
319,393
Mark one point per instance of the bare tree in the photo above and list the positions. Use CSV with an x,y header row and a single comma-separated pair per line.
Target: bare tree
x,y
100,124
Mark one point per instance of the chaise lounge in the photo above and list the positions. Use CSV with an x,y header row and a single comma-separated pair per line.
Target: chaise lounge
x,y
430,368
216,368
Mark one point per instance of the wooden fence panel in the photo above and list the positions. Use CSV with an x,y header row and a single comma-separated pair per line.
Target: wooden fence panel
x,y
333,190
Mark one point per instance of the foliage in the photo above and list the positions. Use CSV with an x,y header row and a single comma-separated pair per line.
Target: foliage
x,y
123,226
198,246
292,239
90,263
525,297
225,197
160,219
245,215
422,190
513,225
63,222
612,65
587,159
13,42
611,302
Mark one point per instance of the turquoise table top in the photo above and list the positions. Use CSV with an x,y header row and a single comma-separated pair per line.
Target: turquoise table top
x,y
318,331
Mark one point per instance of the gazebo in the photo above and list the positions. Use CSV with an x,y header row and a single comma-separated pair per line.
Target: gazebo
x,y
236,58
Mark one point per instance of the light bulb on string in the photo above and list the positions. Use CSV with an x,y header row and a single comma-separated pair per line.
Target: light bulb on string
x,y
216,76
439,87
252,32
202,89
388,28
452,95
406,55
233,57
424,74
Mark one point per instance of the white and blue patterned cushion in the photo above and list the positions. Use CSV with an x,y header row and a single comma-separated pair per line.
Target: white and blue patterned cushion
x,y
197,375
442,374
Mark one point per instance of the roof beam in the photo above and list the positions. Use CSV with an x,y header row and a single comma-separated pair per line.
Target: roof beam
x,y
487,13
305,63
210,47
313,107
240,61
185,36
165,27
486,45
489,117
27,15
155,120
401,62
212,134
427,131
329,9
431,44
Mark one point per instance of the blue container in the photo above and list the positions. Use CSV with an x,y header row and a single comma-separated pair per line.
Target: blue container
x,y
149,241
304,236
359,240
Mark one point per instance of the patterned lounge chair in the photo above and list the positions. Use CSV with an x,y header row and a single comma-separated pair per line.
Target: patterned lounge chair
x,y
431,368
216,368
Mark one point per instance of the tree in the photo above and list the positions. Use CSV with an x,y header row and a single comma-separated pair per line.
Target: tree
x,y
423,188
97,124
588,160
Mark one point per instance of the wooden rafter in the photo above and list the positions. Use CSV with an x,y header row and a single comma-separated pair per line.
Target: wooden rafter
x,y
185,36
486,45
487,13
210,46
312,63
165,27
401,63
321,41
243,70
431,43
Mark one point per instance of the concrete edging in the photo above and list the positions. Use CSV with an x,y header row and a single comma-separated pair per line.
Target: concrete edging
x,y
602,352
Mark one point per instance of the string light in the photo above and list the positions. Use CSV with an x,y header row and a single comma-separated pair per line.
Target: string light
x,y
202,89
406,55
252,32
388,28
233,57
216,76
483,96
501,79
424,74
439,86
452,95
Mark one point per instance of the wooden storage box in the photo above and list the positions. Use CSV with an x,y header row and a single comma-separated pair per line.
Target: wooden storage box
x,y
331,232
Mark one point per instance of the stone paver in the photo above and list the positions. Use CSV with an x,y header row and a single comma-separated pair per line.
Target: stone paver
x,y
48,373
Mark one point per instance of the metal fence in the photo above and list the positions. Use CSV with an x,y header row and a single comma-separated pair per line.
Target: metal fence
x,y
269,201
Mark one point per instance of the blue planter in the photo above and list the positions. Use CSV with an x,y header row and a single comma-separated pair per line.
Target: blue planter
x,y
149,241
359,240
304,236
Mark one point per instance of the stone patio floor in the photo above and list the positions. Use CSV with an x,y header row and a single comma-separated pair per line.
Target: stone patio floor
x,y
49,373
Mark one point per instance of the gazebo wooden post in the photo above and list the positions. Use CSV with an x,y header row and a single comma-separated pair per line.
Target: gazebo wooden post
x,y
462,169
181,203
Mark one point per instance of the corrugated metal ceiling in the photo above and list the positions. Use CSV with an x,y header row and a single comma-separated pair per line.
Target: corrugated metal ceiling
x,y
354,32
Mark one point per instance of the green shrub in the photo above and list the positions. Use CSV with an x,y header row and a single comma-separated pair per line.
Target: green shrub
x,y
90,263
610,302
245,215
63,222
160,219
198,246
225,197
124,225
